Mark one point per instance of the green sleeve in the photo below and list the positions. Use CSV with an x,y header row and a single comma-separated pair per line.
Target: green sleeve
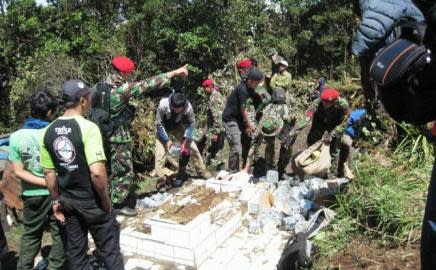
x,y
273,82
14,151
46,161
93,144
150,84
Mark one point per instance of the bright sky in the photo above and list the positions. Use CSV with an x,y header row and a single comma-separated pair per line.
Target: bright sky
x,y
41,2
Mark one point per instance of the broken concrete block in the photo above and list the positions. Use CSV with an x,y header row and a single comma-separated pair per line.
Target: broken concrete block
x,y
134,263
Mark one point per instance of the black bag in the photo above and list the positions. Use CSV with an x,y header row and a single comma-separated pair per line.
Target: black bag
x,y
405,55
404,77
395,61
100,110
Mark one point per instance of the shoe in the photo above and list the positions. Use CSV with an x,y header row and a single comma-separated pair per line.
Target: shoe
x,y
180,179
178,182
125,211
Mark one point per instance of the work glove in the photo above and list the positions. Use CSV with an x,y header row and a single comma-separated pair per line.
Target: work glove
x,y
184,149
215,137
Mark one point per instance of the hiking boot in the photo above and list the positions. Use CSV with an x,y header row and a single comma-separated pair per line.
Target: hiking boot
x,y
125,211
178,182
180,179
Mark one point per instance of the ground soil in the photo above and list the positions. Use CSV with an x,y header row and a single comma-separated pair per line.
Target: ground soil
x,y
366,254
206,199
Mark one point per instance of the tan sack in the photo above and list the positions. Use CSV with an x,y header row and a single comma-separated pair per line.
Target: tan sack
x,y
315,160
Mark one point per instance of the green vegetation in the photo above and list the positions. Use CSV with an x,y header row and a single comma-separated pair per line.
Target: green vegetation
x,y
386,202
40,46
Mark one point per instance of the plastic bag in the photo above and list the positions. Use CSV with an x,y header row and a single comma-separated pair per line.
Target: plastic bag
x,y
271,217
175,150
272,176
154,201
290,222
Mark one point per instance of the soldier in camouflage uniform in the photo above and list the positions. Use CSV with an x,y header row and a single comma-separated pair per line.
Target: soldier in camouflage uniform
x,y
276,120
120,142
328,116
215,127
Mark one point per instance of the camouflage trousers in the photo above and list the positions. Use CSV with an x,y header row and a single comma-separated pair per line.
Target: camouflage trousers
x,y
122,175
213,155
276,156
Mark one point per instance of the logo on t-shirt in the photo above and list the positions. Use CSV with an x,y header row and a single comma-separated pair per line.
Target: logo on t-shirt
x,y
63,130
64,149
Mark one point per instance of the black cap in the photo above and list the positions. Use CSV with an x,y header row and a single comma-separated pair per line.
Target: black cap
x,y
73,90
255,75
178,99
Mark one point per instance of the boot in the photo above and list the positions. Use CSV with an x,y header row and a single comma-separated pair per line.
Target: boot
x,y
121,209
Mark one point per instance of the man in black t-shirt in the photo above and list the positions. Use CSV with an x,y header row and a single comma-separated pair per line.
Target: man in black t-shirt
x,y
73,159
238,124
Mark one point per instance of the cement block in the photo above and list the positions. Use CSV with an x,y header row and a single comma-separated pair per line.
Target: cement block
x,y
183,254
164,249
134,263
126,249
184,262
129,241
189,235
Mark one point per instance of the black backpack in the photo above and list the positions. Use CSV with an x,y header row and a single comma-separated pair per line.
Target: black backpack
x,y
99,112
403,74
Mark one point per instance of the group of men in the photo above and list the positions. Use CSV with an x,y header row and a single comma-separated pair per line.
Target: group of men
x,y
77,172
64,170
251,116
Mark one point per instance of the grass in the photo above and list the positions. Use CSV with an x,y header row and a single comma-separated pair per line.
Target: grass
x,y
384,203
414,148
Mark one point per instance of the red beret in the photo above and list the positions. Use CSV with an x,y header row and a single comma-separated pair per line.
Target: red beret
x,y
123,64
330,94
207,83
245,63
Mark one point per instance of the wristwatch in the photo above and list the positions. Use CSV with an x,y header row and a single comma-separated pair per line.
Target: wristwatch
x,y
53,202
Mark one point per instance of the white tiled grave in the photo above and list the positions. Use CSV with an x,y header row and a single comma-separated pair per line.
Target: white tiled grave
x,y
190,244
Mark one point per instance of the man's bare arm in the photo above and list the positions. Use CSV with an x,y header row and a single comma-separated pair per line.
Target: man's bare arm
x,y
101,184
27,176
52,185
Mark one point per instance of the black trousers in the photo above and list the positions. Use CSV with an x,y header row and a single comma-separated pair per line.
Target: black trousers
x,y
84,216
428,237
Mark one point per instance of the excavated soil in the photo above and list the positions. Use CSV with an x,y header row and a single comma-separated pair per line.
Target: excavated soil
x,y
205,198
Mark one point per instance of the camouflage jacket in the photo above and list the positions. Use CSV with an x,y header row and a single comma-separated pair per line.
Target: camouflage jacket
x,y
272,111
264,96
251,110
333,119
214,113
283,80
121,93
